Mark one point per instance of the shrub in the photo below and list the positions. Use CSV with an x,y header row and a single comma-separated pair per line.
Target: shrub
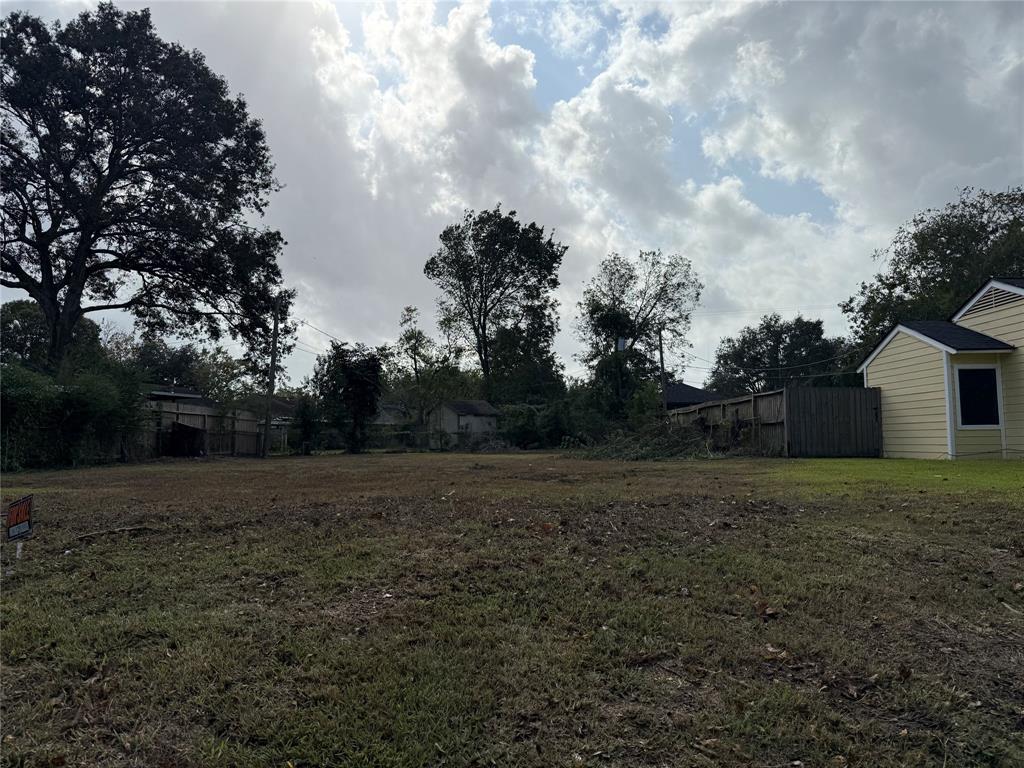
x,y
58,422
519,426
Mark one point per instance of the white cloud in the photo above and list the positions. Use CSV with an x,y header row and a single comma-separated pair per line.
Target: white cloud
x,y
573,28
385,120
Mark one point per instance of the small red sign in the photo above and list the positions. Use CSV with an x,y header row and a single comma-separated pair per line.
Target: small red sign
x,y
19,518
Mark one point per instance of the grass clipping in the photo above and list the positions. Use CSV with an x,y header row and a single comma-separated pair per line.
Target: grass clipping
x,y
660,440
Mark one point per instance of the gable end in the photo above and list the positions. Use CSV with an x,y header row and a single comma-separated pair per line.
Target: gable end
x,y
993,298
1013,288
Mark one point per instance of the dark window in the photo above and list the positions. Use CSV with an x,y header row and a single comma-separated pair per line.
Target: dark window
x,y
979,402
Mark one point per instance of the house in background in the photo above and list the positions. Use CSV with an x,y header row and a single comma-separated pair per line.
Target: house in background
x,y
680,395
392,415
182,422
462,421
955,388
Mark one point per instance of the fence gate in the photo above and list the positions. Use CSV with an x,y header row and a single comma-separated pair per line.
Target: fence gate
x,y
833,421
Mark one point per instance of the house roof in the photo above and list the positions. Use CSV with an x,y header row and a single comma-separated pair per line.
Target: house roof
x,y
941,334
167,390
678,392
1017,282
279,406
956,337
1010,284
473,408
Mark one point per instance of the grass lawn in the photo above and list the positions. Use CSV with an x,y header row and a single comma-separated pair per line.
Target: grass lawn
x,y
517,610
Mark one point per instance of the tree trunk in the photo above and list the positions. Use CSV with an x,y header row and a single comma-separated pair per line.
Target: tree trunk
x,y
57,320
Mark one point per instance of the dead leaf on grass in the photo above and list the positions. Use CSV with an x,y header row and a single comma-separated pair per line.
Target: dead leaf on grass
x,y
775,653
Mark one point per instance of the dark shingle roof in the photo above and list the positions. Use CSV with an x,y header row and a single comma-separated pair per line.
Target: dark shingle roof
x,y
956,336
678,394
279,406
473,408
168,390
1017,282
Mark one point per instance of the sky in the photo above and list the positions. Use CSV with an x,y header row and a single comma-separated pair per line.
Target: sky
x,y
777,145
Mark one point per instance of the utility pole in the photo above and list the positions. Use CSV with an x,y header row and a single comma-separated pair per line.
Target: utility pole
x,y
271,376
661,364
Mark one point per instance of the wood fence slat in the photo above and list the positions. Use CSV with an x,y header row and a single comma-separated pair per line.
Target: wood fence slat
x,y
799,421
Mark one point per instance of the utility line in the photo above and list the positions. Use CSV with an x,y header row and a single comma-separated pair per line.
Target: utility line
x,y
320,330
752,311
772,367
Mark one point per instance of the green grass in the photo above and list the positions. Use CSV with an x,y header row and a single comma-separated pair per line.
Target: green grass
x,y
979,478
517,610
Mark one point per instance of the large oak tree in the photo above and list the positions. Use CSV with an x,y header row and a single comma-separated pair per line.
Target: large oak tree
x,y
132,179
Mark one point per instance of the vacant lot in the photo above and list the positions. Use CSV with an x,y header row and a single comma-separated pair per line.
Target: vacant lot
x,y
517,610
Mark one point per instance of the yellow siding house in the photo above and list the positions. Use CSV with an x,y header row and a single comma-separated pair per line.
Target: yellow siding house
x,y
955,388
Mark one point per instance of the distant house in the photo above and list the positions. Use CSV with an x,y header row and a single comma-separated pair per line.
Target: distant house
x,y
182,422
282,416
955,388
679,395
391,415
462,420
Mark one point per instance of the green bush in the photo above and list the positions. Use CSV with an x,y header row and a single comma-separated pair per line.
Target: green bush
x,y
519,426
27,402
69,420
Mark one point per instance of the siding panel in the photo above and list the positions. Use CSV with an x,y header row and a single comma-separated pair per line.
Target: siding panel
x,y
911,376
1007,324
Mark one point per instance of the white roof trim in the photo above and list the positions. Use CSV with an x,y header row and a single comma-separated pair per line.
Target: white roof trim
x,y
982,291
910,332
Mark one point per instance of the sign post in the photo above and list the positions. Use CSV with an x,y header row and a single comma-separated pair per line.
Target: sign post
x,y
19,522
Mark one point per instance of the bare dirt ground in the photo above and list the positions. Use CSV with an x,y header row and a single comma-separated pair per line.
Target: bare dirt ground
x,y
525,609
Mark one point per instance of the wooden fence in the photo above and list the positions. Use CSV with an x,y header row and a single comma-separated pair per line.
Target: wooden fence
x,y
796,421
236,433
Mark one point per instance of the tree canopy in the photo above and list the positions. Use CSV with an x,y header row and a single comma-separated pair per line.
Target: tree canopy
x,y
210,370
938,259
494,273
348,382
26,337
131,181
635,298
778,352
525,368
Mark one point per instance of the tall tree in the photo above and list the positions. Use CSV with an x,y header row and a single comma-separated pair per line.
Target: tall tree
x,y
131,181
778,352
492,271
524,367
634,300
938,259
348,383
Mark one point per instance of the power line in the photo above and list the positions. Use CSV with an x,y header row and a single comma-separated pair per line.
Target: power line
x,y
319,330
772,367
308,350
753,311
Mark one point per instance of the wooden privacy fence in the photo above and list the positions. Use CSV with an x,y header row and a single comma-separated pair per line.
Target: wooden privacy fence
x,y
235,433
796,421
